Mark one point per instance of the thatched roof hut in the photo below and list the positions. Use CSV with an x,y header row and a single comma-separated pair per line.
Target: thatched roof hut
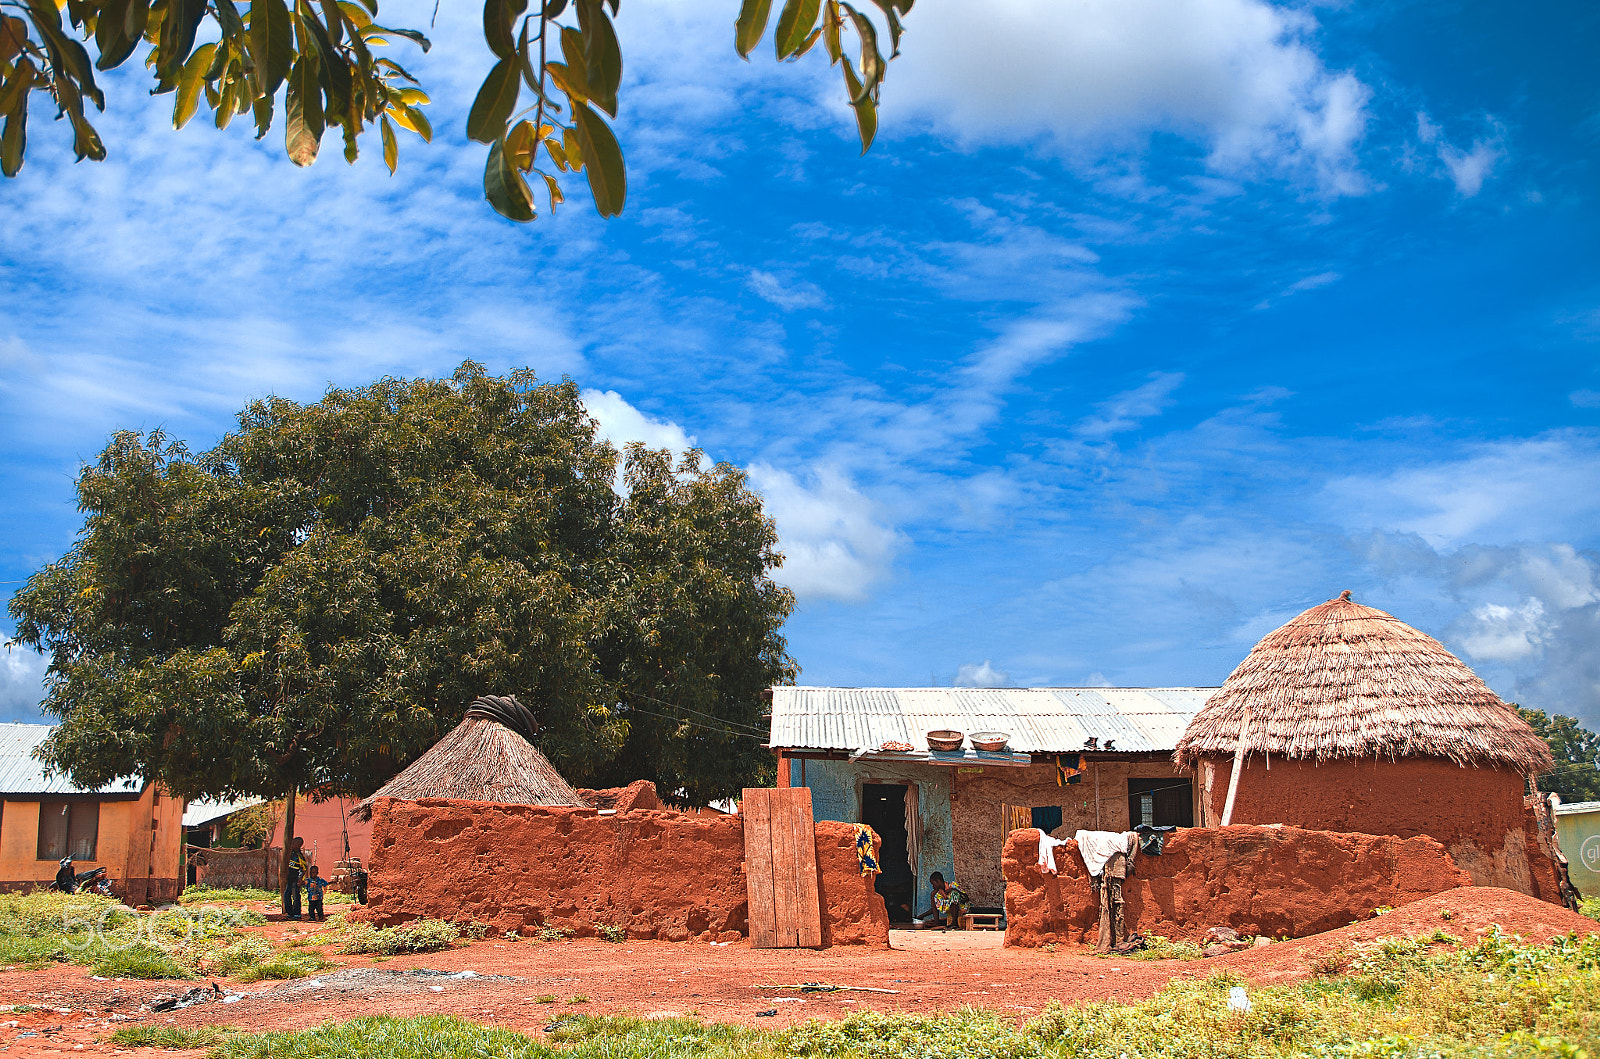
x,y
488,757
1347,681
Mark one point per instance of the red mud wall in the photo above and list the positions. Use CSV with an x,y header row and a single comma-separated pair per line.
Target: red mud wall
x,y
1476,813
654,873
1278,881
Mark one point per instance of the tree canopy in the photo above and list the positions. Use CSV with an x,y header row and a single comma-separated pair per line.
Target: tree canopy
x,y
326,57
1576,775
316,600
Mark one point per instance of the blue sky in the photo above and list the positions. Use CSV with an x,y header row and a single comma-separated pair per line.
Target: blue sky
x,y
1145,324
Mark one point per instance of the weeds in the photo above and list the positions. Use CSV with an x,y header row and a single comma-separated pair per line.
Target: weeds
x,y
1157,947
612,933
171,1036
579,999
421,935
545,998
552,934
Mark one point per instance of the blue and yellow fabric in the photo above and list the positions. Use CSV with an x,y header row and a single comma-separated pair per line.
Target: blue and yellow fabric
x,y
869,863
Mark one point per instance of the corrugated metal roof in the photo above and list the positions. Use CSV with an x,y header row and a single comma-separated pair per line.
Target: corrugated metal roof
x,y
203,812
22,773
1040,720
1577,807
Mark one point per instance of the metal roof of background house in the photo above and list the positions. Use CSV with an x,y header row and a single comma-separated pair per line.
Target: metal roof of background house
x,y
1039,720
209,809
22,773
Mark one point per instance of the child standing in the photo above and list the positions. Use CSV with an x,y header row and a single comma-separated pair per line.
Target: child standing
x,y
315,884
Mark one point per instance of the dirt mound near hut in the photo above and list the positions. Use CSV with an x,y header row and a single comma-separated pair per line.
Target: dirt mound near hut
x,y
1467,912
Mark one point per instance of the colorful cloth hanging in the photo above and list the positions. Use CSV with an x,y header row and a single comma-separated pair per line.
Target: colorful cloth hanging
x,y
1069,769
869,863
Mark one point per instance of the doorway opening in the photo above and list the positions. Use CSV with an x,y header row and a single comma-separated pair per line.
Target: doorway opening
x,y
883,808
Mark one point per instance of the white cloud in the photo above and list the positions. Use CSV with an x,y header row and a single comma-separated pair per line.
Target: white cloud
x,y
621,423
833,544
1585,398
984,676
1529,489
1499,633
1467,169
1321,279
21,683
1127,410
786,292
1240,76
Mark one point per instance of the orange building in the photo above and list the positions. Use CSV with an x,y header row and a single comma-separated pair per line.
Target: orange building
x,y
131,828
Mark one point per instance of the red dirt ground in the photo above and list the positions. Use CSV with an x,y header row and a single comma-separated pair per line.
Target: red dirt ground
x,y
931,971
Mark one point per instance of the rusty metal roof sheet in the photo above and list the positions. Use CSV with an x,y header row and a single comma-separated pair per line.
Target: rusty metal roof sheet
x,y
22,773
1039,720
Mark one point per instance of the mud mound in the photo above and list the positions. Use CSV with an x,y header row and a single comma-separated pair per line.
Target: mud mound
x,y
1467,912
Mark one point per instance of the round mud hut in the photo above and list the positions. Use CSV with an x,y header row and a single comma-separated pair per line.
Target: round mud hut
x,y
488,757
1348,719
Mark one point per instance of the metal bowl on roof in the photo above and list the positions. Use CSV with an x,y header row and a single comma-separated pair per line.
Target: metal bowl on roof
x,y
993,742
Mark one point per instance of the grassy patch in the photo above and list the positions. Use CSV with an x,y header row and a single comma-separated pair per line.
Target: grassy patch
x,y
286,965
199,895
611,933
1401,999
171,1036
422,935
1159,948
1590,906
44,927
434,1036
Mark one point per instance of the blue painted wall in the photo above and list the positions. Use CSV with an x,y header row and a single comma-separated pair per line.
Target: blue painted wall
x,y
836,795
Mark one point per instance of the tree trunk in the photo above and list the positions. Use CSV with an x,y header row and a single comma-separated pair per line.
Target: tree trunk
x,y
288,839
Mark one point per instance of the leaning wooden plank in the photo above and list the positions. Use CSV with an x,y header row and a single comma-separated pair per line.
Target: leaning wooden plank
x,y
757,812
808,906
785,892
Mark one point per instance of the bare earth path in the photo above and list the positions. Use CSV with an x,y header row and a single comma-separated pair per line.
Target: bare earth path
x,y
929,972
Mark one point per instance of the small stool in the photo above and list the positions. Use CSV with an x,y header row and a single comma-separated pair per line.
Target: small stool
x,y
981,921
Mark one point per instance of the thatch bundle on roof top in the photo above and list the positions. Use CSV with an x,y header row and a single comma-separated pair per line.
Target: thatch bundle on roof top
x,y
488,757
1347,681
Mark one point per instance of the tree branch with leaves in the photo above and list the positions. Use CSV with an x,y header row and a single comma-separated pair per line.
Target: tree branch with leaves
x,y
539,116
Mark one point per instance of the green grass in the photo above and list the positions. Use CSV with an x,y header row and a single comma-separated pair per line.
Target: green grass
x,y
1590,906
422,935
171,1036
611,933
199,895
1401,999
42,928
1159,948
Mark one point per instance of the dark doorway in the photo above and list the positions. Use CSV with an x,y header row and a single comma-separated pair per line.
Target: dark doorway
x,y
883,808
1165,802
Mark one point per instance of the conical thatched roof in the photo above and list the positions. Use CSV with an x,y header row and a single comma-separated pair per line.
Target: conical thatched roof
x,y
1347,681
488,757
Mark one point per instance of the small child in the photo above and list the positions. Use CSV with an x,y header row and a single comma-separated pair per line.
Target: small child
x,y
315,884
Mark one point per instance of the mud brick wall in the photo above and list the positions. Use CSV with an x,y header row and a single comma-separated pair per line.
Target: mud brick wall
x,y
1277,881
654,873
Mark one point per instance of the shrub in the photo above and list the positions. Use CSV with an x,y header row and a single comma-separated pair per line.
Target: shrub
x,y
286,965
171,1036
613,933
551,934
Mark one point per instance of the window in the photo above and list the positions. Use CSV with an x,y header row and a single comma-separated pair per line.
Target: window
x,y
1164,802
68,829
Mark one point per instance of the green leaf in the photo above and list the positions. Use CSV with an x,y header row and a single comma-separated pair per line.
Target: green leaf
x,y
262,109
303,103
566,81
553,8
137,20
497,98
866,110
891,14
810,42
871,57
332,69
556,197
391,146
176,41
602,58
86,141
14,139
230,23
271,45
557,153
830,31
110,35
795,22
189,83
572,50
504,187
498,18
411,118
521,145
750,25
412,35
602,161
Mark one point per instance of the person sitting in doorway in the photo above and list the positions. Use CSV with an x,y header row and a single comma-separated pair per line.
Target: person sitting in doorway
x,y
950,901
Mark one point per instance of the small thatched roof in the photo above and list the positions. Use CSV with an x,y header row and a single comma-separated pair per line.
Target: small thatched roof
x,y
488,757
1347,681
